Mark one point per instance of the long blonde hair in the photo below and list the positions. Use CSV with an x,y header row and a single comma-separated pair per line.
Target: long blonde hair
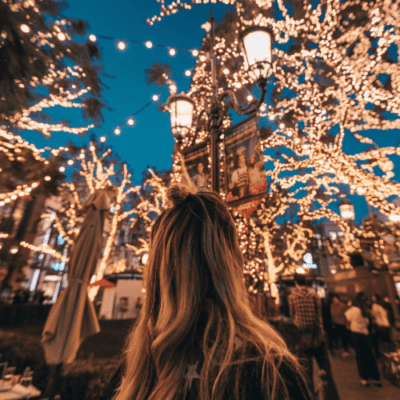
x,y
196,309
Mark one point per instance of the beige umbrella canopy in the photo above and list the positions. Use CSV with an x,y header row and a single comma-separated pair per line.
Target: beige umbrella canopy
x,y
73,318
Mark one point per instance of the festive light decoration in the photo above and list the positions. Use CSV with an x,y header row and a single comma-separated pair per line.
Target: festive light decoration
x,y
335,77
45,248
149,207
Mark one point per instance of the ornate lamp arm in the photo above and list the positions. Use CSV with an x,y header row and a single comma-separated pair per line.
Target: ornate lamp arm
x,y
198,126
253,106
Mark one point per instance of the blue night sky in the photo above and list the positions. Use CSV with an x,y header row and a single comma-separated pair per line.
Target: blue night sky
x,y
149,142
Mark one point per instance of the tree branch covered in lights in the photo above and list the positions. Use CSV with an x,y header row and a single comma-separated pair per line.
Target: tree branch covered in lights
x,y
335,83
43,64
153,200
94,170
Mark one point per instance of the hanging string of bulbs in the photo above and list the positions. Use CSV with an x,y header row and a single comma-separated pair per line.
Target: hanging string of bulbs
x,y
121,44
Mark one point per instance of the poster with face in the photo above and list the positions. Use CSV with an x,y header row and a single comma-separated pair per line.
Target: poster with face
x,y
197,167
246,182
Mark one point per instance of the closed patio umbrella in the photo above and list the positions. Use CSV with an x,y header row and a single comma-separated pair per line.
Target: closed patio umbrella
x,y
73,318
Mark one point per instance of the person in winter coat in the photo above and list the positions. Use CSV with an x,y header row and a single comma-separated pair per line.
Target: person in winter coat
x,y
338,309
381,322
367,367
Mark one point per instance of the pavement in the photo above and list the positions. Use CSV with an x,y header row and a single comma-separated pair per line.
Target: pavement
x,y
348,382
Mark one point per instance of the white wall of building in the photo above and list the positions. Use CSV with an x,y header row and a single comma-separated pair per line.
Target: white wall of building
x,y
129,288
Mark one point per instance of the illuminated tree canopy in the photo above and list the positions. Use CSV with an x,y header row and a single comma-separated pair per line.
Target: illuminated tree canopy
x,y
335,79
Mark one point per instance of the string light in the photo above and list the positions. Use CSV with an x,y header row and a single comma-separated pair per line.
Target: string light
x,y
92,38
172,52
102,139
188,72
61,36
149,44
131,121
25,28
117,131
155,97
121,45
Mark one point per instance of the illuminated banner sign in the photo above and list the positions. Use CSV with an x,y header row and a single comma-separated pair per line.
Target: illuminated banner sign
x,y
245,180
196,171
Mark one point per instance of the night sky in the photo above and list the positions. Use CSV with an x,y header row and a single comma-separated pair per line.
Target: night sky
x,y
149,142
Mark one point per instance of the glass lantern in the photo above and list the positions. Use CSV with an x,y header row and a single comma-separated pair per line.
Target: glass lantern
x,y
346,209
181,108
256,43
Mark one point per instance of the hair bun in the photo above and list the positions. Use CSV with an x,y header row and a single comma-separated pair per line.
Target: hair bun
x,y
176,194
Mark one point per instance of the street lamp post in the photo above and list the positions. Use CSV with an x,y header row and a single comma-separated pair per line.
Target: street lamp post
x,y
256,45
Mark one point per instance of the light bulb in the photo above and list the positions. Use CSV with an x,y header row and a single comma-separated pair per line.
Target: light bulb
x,y
202,58
188,72
155,97
70,162
102,139
121,45
172,52
117,131
195,53
61,36
25,28
148,44
226,71
131,121
47,178
92,37
249,97
62,169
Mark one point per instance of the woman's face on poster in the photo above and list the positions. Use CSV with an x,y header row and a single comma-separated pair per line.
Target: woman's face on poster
x,y
242,161
200,168
252,159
